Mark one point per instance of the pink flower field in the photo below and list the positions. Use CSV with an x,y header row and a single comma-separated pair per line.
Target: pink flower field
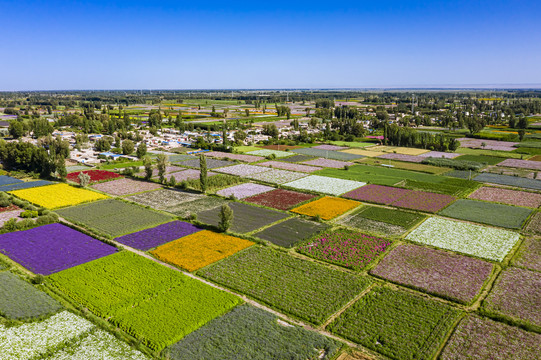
x,y
505,196
125,187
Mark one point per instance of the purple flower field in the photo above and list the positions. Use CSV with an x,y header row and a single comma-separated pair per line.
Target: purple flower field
x,y
290,166
529,255
330,147
521,164
378,194
438,272
244,190
335,164
439,154
402,157
516,294
348,248
159,235
424,201
51,248
480,338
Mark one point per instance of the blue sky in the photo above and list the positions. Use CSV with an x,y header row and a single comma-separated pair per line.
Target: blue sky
x,y
279,44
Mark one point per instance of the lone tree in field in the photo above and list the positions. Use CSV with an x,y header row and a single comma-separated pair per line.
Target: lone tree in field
x,y
162,166
84,179
147,162
141,150
203,176
226,218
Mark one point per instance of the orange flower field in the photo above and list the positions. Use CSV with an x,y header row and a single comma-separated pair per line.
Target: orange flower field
x,y
198,250
327,207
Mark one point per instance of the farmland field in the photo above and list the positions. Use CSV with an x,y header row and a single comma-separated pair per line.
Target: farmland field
x,y
378,194
280,199
302,288
51,248
268,152
476,240
289,232
484,159
114,217
388,222
164,199
242,170
184,304
506,216
239,157
246,218
481,338
244,190
514,181
95,175
277,176
123,187
197,206
247,332
321,162
289,166
200,249
297,158
325,185
438,272
159,235
211,163
327,154
351,249
327,207
57,196
20,300
529,255
396,323
25,185
506,196
32,340
516,295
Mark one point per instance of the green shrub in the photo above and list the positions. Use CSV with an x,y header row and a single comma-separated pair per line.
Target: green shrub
x,y
29,214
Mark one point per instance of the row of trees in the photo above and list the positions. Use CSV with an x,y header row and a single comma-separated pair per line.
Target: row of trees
x,y
404,136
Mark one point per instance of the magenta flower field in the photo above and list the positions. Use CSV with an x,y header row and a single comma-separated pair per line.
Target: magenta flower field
x,y
506,196
378,194
438,272
348,248
424,201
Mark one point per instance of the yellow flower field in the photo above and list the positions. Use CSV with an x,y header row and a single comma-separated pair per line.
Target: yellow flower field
x,y
327,207
410,151
200,249
57,196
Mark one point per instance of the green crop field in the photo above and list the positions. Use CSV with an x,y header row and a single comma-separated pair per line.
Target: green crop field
x,y
153,303
415,180
113,217
247,332
493,153
391,216
483,159
396,323
506,216
302,288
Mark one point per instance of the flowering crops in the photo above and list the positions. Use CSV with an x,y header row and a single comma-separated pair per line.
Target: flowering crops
x,y
330,147
476,240
482,338
325,185
402,157
377,194
267,152
125,187
398,324
153,303
488,213
321,162
516,294
289,232
242,170
51,248
29,341
25,185
57,196
164,199
437,272
276,176
388,222
188,174
156,236
521,164
327,207
303,288
280,199
347,248
95,175
424,201
20,300
200,249
239,157
247,332
211,163
98,344
327,154
297,158
6,180
439,154
7,215
487,144
289,166
529,254
506,196
244,190
114,217
507,180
